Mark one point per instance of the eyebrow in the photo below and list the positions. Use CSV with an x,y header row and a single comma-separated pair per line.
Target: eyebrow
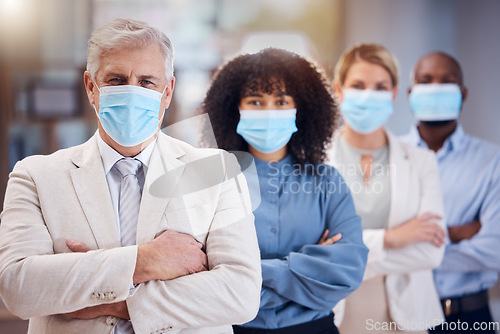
x,y
119,75
253,95
148,77
122,76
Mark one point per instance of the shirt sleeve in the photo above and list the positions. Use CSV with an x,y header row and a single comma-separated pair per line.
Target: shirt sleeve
x,y
419,256
269,299
318,276
479,253
77,280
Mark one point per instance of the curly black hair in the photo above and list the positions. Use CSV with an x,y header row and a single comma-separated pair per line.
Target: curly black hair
x,y
267,71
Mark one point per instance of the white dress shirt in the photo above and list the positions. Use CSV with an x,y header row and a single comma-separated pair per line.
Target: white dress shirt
x,y
109,157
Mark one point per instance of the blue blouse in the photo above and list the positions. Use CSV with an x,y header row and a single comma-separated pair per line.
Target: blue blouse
x,y
302,281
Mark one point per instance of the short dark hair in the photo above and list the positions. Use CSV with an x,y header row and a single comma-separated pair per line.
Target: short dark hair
x,y
267,70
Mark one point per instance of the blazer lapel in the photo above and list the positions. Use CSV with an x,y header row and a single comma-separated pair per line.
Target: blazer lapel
x,y
399,170
332,149
164,172
92,190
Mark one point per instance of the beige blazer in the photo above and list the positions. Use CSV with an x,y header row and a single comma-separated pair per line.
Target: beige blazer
x,y
415,189
65,195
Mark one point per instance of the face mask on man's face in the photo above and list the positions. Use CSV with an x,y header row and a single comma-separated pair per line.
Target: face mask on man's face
x,y
129,114
436,102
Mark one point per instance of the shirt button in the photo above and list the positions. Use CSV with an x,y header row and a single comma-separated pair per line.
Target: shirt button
x,y
111,321
274,200
273,230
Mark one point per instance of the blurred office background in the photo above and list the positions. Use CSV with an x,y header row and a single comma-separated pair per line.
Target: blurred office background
x,y
43,106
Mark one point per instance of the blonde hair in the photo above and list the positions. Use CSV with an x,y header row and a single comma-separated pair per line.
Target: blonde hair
x,y
127,33
372,53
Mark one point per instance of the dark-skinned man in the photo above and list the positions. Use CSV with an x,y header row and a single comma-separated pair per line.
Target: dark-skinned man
x,y
470,180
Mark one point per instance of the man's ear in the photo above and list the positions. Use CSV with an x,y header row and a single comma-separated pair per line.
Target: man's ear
x,y
465,92
169,91
89,87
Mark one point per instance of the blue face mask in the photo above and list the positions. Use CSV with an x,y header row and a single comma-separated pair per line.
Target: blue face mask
x,y
267,130
436,102
129,114
366,110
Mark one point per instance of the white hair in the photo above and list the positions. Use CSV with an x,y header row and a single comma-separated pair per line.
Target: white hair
x,y
127,33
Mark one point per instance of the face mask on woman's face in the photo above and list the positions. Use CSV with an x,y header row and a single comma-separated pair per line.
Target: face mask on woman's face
x,y
436,102
267,130
366,110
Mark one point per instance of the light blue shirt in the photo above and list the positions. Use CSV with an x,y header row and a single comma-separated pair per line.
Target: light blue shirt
x,y
470,180
302,281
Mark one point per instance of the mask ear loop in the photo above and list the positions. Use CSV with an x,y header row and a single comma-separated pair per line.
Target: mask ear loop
x,y
93,104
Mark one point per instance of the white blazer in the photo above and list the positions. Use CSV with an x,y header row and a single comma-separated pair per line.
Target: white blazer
x,y
415,189
65,195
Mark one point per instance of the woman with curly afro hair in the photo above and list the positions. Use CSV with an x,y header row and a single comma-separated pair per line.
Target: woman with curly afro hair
x,y
278,107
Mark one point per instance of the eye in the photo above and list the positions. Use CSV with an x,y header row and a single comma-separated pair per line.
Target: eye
x,y
357,85
282,103
147,83
424,79
254,102
382,87
450,79
115,81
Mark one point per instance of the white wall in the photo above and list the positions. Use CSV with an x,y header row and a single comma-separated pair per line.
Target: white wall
x,y
466,29
478,49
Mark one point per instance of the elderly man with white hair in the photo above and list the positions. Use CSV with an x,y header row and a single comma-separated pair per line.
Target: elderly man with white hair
x,y
132,231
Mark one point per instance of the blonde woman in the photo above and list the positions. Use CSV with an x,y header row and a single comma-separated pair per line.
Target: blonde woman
x,y
396,191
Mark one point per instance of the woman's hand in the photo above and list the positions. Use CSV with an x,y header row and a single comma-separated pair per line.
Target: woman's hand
x,y
419,229
324,241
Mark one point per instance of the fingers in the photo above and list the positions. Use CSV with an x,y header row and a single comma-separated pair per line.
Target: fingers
x,y
323,237
204,262
429,216
433,233
189,239
77,246
333,239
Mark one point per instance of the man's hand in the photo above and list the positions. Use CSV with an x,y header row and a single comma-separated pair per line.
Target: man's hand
x,y
324,241
77,246
169,256
464,232
419,229
118,310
